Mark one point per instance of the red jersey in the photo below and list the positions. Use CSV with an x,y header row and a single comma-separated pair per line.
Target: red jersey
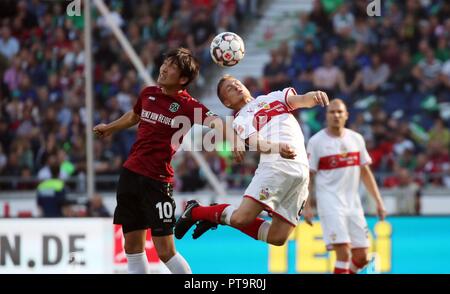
x,y
152,152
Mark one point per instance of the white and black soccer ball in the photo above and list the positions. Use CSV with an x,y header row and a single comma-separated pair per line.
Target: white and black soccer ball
x,y
227,49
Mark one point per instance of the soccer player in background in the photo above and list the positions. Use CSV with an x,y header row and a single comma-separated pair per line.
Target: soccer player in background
x,y
280,184
338,159
144,192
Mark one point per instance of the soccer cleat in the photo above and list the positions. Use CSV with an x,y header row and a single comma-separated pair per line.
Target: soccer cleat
x,y
185,222
202,227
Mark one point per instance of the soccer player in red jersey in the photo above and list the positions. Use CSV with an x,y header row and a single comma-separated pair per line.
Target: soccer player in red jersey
x,y
144,192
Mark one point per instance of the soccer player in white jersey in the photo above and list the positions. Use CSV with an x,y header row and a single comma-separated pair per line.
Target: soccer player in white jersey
x,y
280,184
338,159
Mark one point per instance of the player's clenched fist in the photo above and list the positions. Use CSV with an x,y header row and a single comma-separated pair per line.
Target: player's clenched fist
x,y
319,98
286,151
102,130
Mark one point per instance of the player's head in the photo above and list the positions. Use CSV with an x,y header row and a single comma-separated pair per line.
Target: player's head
x,y
179,68
337,114
232,93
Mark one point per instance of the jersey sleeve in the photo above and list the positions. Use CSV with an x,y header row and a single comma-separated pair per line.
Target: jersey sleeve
x,y
364,154
137,108
199,113
283,95
243,125
313,157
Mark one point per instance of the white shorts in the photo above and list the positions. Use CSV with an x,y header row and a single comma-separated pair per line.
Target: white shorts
x,y
282,187
338,229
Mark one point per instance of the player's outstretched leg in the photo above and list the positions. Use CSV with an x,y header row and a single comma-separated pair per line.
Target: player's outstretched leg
x,y
203,226
185,221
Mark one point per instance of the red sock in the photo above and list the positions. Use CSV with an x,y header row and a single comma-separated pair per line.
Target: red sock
x,y
341,270
209,213
253,228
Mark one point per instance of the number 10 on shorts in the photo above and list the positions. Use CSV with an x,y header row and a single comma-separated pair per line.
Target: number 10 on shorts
x,y
165,210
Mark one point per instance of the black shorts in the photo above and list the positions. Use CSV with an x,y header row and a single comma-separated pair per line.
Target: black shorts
x,y
144,203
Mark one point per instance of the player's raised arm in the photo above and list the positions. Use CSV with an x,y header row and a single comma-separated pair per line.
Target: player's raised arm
x,y
126,121
308,100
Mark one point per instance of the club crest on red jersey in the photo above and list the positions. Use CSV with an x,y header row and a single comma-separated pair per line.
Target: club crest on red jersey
x,y
174,107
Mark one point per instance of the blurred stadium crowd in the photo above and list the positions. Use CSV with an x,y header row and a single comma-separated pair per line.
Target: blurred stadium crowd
x,y
393,71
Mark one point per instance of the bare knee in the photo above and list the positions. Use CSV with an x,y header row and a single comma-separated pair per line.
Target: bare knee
x,y
342,252
133,247
360,260
165,254
240,220
277,240
135,242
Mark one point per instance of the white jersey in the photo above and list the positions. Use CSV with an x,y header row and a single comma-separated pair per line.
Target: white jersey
x,y
270,116
336,162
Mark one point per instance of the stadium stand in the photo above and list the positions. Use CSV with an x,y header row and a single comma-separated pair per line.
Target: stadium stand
x,y
393,71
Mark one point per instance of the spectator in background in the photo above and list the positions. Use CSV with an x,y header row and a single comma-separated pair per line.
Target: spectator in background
x,y
9,46
96,208
304,61
408,160
391,54
401,77
51,194
343,22
427,71
440,133
444,78
438,162
375,75
184,15
320,18
12,75
189,174
201,33
275,73
361,31
304,29
407,194
350,80
3,159
401,144
327,76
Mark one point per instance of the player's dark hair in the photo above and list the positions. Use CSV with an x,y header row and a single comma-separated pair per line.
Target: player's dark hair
x,y
188,64
221,81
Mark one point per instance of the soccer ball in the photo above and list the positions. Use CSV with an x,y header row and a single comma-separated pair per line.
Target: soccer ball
x,y
227,49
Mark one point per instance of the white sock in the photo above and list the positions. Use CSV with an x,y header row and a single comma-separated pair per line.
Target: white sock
x,y
137,263
178,265
342,264
263,231
225,218
355,268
